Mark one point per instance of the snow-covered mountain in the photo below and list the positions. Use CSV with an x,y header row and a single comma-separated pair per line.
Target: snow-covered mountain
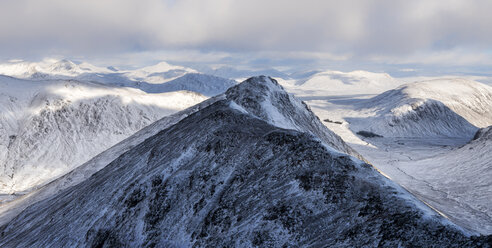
x,y
261,97
445,107
344,83
47,128
158,73
48,69
227,176
63,69
207,85
159,78
237,74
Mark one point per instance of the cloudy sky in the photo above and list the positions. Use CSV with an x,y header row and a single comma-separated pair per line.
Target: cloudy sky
x,y
378,35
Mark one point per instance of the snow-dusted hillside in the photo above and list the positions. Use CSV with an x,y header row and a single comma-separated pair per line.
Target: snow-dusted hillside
x,y
224,177
445,107
47,128
261,97
464,175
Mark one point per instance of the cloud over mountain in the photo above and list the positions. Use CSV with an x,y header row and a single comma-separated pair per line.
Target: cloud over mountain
x,y
374,30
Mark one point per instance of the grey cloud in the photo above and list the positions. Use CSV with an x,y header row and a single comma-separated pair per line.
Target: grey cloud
x,y
316,28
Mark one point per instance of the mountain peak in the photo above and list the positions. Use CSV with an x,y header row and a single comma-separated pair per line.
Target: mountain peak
x,y
161,67
63,65
266,99
261,81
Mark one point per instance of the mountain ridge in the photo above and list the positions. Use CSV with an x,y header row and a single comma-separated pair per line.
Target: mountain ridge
x,y
246,182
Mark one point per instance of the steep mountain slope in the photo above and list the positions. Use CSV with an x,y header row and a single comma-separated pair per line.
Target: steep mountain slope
x,y
448,108
12,208
224,177
261,97
265,98
47,128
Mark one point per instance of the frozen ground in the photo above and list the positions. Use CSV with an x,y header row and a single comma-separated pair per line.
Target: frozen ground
x,y
443,171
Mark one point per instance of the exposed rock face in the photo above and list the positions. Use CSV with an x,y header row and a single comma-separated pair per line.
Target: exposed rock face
x,y
224,177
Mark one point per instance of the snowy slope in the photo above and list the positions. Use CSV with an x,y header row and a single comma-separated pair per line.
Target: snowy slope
x,y
234,181
47,128
261,97
445,107
463,175
12,208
